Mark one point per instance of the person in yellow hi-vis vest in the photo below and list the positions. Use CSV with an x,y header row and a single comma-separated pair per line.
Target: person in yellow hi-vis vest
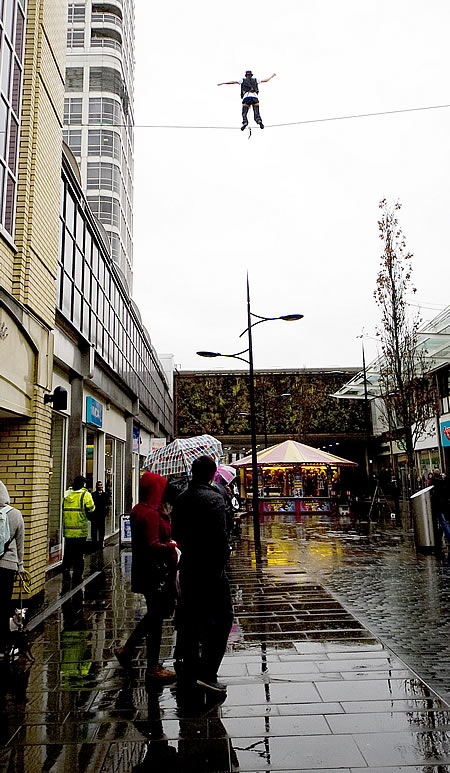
x,y
78,505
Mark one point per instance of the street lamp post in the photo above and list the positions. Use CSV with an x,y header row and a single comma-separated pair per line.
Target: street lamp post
x,y
237,356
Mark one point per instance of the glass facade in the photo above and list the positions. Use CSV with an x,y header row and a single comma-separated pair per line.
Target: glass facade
x,y
99,95
91,297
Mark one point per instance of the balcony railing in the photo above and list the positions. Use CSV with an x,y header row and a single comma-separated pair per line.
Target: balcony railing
x,y
107,18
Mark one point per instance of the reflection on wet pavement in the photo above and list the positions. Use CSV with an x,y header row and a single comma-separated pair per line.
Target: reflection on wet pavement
x,y
309,686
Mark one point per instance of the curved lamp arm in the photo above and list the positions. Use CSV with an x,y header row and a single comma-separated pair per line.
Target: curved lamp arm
x,y
219,354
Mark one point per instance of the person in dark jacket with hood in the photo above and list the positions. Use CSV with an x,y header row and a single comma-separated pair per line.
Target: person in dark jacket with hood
x,y
205,615
153,569
11,562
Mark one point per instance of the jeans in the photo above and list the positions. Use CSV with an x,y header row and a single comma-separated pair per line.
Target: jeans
x,y
247,102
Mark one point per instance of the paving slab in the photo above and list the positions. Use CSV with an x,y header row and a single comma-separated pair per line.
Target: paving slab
x,y
312,686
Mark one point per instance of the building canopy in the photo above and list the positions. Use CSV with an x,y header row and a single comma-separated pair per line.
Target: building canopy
x,y
433,341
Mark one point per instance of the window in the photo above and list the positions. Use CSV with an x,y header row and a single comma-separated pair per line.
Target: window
x,y
104,142
76,14
74,78
73,110
12,26
104,110
56,488
103,175
75,38
72,137
105,79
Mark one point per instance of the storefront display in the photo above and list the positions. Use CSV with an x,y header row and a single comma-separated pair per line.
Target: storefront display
x,y
293,477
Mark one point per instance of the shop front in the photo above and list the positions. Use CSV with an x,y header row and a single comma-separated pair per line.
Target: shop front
x,y
295,478
104,455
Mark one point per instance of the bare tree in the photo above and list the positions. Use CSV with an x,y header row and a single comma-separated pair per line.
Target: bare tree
x,y
407,394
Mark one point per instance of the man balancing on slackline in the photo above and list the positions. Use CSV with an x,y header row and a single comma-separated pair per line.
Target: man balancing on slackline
x,y
249,96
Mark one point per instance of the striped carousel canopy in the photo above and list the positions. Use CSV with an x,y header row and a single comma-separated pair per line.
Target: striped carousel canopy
x,y
291,452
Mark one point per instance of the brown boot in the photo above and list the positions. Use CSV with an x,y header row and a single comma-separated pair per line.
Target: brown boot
x,y
124,656
159,673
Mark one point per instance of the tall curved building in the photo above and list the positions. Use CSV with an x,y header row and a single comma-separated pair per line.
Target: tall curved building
x,y
98,115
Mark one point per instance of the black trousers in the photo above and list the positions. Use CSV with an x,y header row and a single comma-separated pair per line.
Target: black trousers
x,y
203,621
74,550
6,590
98,531
248,102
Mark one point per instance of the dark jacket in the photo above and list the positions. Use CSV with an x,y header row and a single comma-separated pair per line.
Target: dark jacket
x,y
249,84
101,502
199,527
150,533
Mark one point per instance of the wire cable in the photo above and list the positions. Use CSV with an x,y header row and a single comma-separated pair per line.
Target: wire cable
x,y
349,117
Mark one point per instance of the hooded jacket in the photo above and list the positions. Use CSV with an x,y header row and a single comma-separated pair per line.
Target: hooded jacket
x,y
13,556
150,533
76,505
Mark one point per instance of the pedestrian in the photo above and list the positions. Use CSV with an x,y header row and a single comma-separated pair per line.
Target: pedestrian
x,y
440,501
205,613
249,95
153,569
101,502
77,508
11,560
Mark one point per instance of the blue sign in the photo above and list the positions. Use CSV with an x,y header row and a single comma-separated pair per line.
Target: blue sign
x,y
94,412
136,439
445,433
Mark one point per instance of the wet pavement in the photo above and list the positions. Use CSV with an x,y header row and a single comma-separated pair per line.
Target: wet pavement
x,y
315,681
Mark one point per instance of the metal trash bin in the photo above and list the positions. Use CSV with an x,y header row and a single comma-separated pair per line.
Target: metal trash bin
x,y
423,520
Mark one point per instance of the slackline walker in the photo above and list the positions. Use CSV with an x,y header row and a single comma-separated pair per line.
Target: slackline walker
x,y
249,95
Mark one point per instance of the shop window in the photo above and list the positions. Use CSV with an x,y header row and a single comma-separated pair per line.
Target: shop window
x,y
56,488
91,459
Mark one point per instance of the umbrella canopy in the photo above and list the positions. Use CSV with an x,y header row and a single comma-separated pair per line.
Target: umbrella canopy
x,y
177,457
226,472
291,452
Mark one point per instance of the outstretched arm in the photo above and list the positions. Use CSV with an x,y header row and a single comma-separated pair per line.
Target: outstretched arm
x,y
229,83
265,80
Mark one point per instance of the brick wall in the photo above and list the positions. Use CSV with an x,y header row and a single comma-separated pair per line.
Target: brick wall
x,y
29,275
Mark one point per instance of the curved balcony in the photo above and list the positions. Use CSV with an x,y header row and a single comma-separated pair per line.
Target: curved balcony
x,y
106,20
106,38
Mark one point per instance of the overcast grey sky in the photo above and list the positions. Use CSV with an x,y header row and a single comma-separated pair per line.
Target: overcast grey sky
x,y
297,206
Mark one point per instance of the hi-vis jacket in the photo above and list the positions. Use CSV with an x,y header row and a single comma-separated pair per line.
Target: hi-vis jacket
x,y
76,505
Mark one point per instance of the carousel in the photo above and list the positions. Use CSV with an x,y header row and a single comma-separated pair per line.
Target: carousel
x,y
294,478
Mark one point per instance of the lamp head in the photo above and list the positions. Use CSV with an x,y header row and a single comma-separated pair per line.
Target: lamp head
x,y
292,317
209,354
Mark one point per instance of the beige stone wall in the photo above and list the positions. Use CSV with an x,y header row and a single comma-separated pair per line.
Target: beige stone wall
x,y
29,273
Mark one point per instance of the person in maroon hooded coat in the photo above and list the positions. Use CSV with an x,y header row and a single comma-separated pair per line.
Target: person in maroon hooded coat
x,y
153,571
